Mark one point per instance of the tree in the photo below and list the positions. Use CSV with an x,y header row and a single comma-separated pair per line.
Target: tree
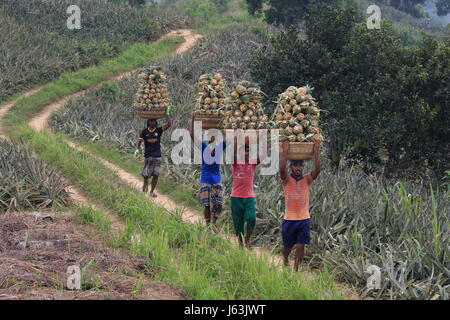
x,y
443,7
384,105
284,12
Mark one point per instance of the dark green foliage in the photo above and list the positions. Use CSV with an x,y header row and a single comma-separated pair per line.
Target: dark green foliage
x,y
443,7
284,12
222,5
384,104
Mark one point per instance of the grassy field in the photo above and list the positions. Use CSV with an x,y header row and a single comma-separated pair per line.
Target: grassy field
x,y
36,46
358,220
133,57
186,255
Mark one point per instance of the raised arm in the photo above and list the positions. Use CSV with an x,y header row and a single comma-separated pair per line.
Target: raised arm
x,y
168,123
283,161
191,130
316,151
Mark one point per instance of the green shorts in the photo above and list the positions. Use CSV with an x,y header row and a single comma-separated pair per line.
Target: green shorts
x,y
243,210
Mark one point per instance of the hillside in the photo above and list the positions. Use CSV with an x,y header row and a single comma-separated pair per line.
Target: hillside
x,y
36,46
381,199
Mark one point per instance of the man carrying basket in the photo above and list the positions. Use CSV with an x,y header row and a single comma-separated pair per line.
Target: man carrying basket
x,y
295,229
151,136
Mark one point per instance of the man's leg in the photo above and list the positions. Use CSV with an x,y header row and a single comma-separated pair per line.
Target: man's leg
x,y
155,170
154,183
289,239
205,198
207,214
216,203
250,218
286,252
299,255
145,186
237,214
144,174
303,238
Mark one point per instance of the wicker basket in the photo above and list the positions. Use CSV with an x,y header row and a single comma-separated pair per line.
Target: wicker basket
x,y
154,113
209,121
300,151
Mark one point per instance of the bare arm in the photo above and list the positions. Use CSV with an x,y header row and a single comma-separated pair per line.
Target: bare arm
x,y
191,131
168,123
316,151
138,143
283,161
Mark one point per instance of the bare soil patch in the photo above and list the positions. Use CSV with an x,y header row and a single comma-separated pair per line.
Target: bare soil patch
x,y
35,255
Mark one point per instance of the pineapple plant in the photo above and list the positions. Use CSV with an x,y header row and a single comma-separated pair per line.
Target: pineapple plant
x,y
297,115
243,109
152,93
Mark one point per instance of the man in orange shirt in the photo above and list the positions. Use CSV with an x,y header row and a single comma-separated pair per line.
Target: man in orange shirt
x,y
295,229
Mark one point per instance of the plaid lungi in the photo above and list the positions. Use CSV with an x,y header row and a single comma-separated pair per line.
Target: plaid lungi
x,y
212,196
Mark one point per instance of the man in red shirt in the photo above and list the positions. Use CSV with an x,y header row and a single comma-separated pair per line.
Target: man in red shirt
x,y
243,203
295,229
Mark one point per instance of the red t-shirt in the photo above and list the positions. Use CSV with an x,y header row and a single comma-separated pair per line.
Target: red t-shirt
x,y
243,175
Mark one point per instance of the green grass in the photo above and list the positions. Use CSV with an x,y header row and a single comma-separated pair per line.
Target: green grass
x,y
179,253
181,194
134,57
185,255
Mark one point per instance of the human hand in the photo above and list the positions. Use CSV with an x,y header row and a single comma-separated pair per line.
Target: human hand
x,y
316,147
285,146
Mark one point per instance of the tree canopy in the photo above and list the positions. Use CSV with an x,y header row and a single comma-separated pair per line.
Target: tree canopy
x,y
385,106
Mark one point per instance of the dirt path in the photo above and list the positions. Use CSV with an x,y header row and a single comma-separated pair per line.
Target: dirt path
x,y
40,122
5,108
123,284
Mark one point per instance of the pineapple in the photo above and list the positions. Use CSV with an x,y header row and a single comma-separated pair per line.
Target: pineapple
x,y
297,115
212,89
152,91
245,105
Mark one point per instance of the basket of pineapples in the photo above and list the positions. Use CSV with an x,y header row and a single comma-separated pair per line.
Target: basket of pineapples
x,y
151,98
210,107
244,108
297,117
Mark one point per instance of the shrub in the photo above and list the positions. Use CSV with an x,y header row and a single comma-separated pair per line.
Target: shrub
x,y
27,182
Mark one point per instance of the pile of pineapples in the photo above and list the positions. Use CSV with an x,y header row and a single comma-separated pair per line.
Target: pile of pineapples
x,y
244,108
212,91
152,91
297,115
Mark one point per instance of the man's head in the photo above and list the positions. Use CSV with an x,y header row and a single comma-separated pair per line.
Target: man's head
x,y
296,167
244,150
152,123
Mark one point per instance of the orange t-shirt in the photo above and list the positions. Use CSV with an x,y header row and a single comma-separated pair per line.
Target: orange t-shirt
x,y
296,198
